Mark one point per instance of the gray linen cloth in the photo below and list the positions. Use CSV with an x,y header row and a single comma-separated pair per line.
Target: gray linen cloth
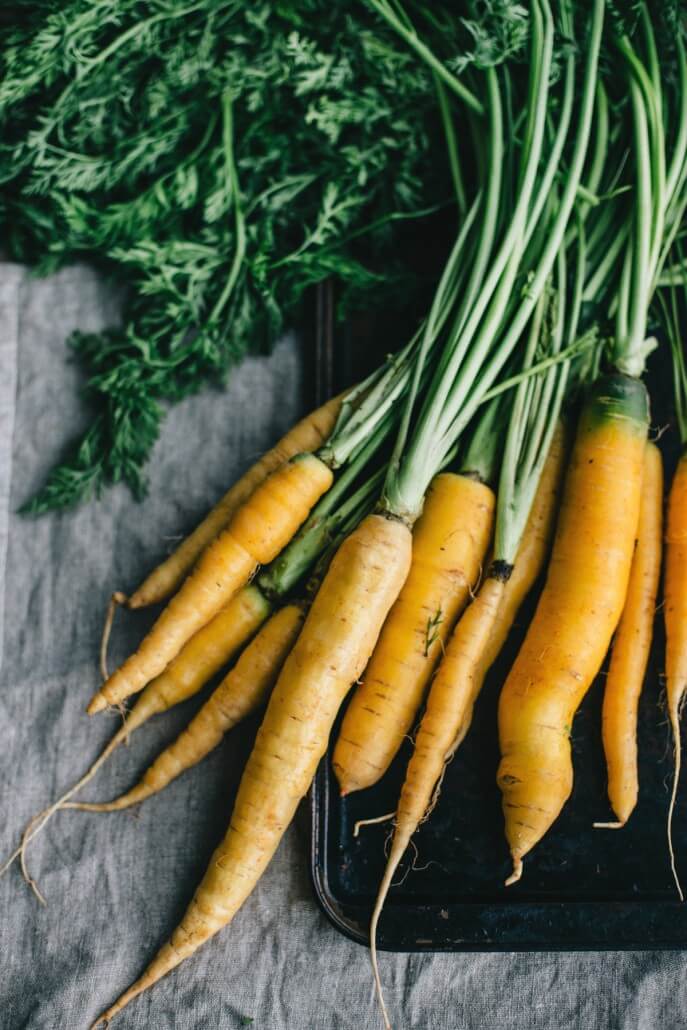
x,y
117,884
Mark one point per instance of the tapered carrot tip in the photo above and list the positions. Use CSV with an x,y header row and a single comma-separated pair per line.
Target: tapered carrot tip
x,y
517,871
167,959
105,1017
97,704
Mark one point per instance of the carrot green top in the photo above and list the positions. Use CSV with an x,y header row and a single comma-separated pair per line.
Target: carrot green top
x,y
516,242
658,189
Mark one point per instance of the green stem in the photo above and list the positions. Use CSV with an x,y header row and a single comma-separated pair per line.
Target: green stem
x,y
315,540
323,522
598,282
451,145
517,324
422,50
549,386
406,484
457,342
530,432
239,222
651,195
580,346
482,456
443,300
629,356
517,432
486,313
676,169
578,282
600,152
361,414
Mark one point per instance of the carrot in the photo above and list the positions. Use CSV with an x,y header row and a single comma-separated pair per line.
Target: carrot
x,y
533,549
240,693
675,615
307,435
528,439
258,531
530,472
204,654
335,643
631,646
529,562
673,304
577,613
443,726
210,648
449,543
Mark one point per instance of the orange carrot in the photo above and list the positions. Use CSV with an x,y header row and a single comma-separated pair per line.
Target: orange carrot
x,y
631,647
675,614
307,435
577,613
256,534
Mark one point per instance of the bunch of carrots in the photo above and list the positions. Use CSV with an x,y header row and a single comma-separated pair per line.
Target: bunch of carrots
x,y
385,546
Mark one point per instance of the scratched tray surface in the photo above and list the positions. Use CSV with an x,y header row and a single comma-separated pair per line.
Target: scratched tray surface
x,y
581,888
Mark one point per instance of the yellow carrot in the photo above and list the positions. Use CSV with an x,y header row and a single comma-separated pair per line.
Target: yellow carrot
x,y
212,647
204,654
675,614
242,691
258,531
530,560
631,646
306,436
533,549
335,643
577,613
449,543
442,728
471,649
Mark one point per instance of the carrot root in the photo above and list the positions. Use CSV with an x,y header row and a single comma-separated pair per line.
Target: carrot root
x,y
38,821
143,710
677,744
516,874
444,724
117,599
342,626
675,615
242,691
398,848
372,822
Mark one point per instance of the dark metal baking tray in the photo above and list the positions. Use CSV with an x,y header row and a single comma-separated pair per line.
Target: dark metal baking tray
x,y
583,888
